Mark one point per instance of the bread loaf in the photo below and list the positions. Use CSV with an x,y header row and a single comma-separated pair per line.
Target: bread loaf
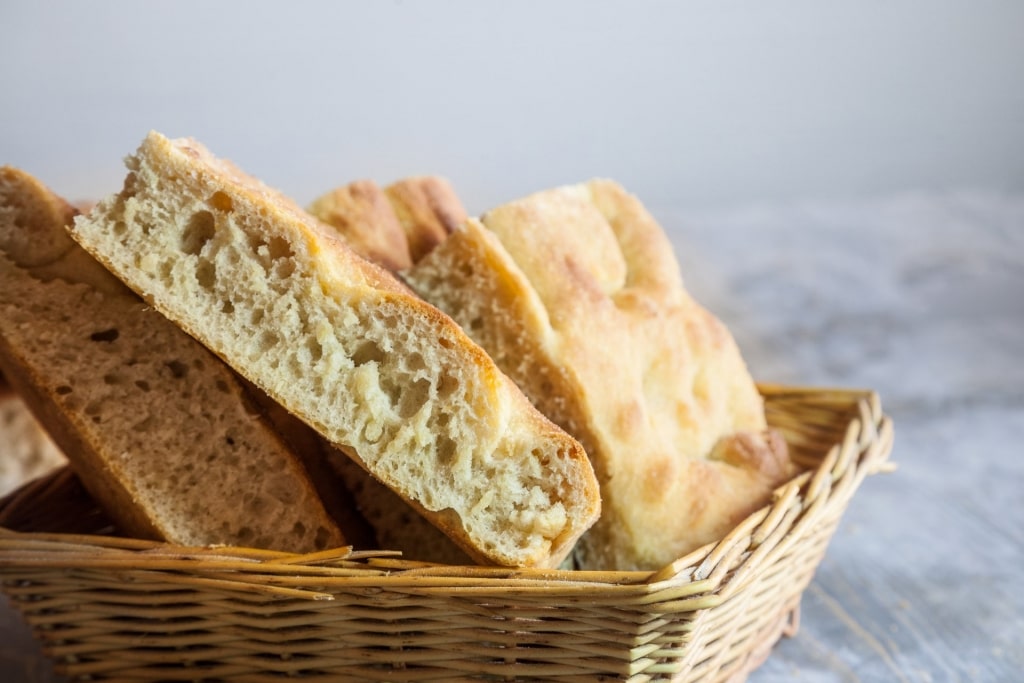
x,y
343,345
158,429
576,295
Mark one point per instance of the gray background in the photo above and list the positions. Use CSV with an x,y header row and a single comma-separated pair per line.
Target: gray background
x,y
691,104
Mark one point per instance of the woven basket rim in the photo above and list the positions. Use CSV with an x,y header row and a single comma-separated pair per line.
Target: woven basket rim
x,y
868,438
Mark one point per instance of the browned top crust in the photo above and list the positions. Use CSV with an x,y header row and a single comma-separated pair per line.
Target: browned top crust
x,y
577,295
429,211
363,217
394,227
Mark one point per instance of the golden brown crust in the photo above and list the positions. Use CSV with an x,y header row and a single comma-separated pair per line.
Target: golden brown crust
x,y
577,296
394,227
364,219
428,210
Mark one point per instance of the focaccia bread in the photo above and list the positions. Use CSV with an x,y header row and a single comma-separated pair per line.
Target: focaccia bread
x,y
394,227
158,429
576,294
362,215
340,343
427,209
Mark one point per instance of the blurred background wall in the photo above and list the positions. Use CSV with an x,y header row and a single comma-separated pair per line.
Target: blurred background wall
x,y
690,104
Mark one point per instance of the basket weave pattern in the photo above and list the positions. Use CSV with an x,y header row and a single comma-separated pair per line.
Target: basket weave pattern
x,y
109,608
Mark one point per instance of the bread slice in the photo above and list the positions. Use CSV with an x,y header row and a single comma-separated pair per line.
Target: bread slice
x,y
577,296
158,428
26,450
343,345
392,227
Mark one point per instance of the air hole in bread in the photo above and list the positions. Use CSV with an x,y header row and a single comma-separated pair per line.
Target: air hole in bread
x,y
177,368
447,385
221,201
113,379
316,351
320,539
206,274
367,352
222,386
226,307
414,362
229,441
144,425
197,233
105,335
445,449
284,267
63,390
538,454
279,248
142,384
413,398
269,340
299,528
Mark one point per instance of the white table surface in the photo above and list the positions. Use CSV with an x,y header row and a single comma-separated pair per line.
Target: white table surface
x,y
920,297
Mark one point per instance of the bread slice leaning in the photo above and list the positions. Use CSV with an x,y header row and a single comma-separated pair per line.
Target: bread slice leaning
x,y
576,294
158,428
343,345
389,227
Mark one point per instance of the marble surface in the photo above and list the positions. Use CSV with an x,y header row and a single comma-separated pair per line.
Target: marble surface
x,y
920,297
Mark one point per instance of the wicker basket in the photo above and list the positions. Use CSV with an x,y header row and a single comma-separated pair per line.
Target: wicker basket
x,y
109,608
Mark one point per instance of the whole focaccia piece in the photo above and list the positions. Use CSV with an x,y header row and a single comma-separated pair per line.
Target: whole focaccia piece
x,y
576,294
158,429
344,346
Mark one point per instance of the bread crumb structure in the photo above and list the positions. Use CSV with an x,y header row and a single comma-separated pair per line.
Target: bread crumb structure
x,y
346,347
